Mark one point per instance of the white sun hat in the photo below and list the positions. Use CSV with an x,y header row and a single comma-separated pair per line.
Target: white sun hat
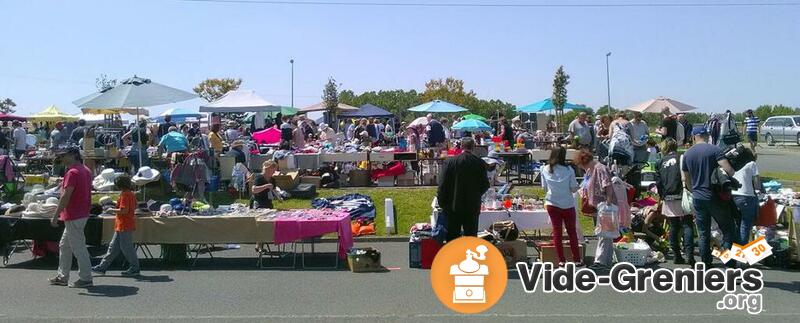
x,y
145,175
105,181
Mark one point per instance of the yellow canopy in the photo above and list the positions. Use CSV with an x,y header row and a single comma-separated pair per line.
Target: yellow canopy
x,y
52,113
131,111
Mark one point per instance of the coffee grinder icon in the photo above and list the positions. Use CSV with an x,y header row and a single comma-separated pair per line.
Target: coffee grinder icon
x,y
469,277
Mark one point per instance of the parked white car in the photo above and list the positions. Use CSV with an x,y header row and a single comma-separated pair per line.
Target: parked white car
x,y
781,129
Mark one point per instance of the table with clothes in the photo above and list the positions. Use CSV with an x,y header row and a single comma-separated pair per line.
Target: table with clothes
x,y
39,229
359,207
255,226
294,225
526,220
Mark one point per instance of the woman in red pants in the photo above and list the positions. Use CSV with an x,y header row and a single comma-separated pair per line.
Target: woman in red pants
x,y
559,183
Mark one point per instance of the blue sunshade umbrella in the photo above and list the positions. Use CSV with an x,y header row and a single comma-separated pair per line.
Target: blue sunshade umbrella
x,y
544,105
472,125
437,106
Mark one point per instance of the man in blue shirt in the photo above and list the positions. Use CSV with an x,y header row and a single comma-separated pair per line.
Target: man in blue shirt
x,y
174,141
699,164
751,126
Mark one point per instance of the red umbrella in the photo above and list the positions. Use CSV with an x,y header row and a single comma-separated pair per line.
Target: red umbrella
x,y
11,117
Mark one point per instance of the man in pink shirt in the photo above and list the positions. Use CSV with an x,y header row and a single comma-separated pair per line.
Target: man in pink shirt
x,y
73,210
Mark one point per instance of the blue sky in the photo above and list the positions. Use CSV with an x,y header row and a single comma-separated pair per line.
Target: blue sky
x,y
714,58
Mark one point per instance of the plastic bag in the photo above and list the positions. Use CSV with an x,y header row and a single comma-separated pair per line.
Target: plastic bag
x,y
687,203
607,221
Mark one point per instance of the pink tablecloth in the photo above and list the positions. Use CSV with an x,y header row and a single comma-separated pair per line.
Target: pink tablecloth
x,y
299,224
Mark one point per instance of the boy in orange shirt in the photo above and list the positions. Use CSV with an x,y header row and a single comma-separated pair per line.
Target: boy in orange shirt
x,y
124,225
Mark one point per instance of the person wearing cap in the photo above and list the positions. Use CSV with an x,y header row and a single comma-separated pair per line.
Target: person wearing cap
x,y
462,183
699,164
174,141
73,210
57,138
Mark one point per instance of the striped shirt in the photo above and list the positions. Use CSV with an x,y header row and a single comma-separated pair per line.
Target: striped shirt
x,y
751,124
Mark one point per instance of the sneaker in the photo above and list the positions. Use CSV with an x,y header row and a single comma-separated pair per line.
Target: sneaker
x,y
58,281
129,273
97,270
82,284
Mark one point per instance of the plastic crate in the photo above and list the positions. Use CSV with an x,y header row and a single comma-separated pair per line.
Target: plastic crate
x,y
637,257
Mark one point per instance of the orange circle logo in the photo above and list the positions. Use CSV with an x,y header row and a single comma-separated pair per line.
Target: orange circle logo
x,y
469,275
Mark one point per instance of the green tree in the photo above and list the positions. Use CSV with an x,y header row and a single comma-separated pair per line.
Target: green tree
x,y
212,89
395,101
330,95
7,106
103,83
560,82
449,89
603,110
765,111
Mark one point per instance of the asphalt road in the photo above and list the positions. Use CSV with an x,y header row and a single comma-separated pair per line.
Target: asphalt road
x,y
229,288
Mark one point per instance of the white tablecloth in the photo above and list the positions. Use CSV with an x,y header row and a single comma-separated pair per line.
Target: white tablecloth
x,y
525,220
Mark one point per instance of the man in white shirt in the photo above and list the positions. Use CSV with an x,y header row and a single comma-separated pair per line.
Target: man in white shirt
x,y
20,140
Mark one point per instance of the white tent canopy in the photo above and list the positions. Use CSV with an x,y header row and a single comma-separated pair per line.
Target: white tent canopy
x,y
240,101
659,103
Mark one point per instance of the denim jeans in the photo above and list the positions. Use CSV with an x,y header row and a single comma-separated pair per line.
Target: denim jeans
x,y
720,211
685,225
122,242
748,208
133,158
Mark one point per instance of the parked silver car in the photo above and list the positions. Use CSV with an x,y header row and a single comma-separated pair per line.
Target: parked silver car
x,y
781,129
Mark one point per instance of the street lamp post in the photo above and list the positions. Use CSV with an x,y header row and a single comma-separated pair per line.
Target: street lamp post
x,y
291,61
608,83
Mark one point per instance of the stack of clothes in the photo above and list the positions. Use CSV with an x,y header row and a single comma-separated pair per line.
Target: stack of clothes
x,y
360,207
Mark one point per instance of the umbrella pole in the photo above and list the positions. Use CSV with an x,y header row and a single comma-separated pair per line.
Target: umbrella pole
x,y
139,153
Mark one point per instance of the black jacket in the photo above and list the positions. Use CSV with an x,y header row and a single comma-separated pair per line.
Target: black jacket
x,y
668,178
462,182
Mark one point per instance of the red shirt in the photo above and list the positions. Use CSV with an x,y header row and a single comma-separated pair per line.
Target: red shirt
x,y
126,221
80,179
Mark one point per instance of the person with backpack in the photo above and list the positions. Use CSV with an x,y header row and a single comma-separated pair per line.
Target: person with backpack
x,y
669,183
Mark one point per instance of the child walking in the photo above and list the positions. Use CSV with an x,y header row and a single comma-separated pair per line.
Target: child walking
x,y
124,225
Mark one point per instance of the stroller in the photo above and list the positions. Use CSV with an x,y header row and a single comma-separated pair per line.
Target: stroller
x,y
11,178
